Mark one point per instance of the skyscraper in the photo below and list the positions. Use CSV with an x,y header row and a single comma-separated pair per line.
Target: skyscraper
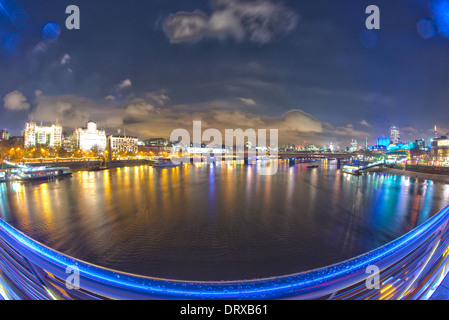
x,y
395,136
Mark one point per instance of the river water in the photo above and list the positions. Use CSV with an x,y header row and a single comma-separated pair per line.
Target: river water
x,y
221,222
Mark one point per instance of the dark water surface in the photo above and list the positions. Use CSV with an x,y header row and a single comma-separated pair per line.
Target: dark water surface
x,y
219,222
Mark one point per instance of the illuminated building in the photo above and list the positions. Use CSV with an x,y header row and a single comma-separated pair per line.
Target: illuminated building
x,y
312,148
68,143
123,144
35,135
395,136
156,142
383,142
155,145
421,144
440,150
90,137
4,134
353,147
202,149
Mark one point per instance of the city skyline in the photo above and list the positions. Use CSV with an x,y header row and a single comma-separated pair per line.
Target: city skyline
x,y
309,69
392,135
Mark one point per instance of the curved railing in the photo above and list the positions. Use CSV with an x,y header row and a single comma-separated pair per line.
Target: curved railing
x,y
410,267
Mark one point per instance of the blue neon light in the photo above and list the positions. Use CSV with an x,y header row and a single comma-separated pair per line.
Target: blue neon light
x,y
119,285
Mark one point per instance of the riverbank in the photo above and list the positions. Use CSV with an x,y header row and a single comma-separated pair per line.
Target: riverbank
x,y
92,165
412,174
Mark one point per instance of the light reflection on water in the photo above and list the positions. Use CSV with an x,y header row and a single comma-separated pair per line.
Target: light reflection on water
x,y
219,222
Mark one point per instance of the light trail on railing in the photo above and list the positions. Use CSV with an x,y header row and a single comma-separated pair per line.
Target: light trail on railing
x,y
411,267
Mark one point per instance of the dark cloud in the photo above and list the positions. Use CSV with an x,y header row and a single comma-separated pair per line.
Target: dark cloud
x,y
151,116
259,21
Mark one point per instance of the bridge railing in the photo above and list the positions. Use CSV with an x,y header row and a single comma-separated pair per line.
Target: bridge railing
x,y
411,267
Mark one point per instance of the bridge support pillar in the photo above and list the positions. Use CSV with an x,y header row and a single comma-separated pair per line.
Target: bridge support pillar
x,y
292,161
246,161
338,163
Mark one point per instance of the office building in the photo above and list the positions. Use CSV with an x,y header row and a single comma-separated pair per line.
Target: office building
x,y
395,136
439,151
90,138
421,144
123,144
4,135
38,135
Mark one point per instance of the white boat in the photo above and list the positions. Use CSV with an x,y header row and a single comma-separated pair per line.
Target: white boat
x,y
2,176
165,163
354,170
29,173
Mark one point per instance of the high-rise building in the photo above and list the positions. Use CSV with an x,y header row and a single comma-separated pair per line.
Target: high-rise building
x,y
35,135
395,136
90,137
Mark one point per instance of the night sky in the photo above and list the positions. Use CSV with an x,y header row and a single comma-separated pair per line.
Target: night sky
x,y
309,68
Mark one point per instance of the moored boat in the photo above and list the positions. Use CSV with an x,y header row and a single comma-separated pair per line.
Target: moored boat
x,y
354,170
165,163
29,173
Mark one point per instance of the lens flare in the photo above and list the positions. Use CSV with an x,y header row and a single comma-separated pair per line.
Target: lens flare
x,y
441,15
50,32
426,28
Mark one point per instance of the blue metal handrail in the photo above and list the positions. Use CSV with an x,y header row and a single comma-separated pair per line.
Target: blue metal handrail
x,y
411,267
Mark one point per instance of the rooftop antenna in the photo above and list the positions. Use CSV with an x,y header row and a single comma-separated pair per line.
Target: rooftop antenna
x,y
436,132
